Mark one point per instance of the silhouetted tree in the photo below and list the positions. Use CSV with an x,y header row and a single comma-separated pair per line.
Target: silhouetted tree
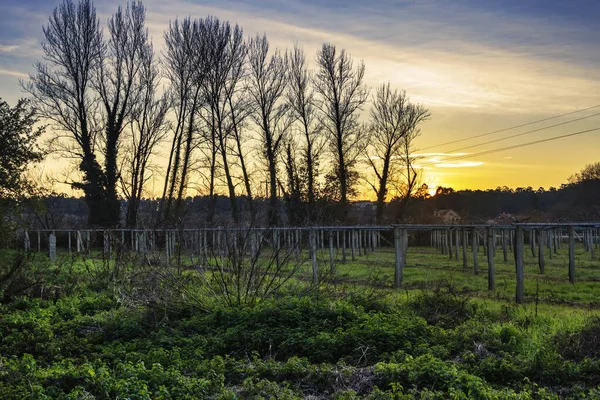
x,y
342,95
227,53
148,128
301,97
87,87
267,80
186,68
393,126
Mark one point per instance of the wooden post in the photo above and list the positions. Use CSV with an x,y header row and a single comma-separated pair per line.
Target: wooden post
x,y
519,243
69,244
331,263
449,233
485,243
52,247
556,241
550,243
591,245
89,242
504,249
313,254
399,252
168,246
78,241
474,250
443,243
353,241
27,242
344,232
464,249
532,240
106,244
456,243
298,242
490,259
541,240
571,254
373,240
39,242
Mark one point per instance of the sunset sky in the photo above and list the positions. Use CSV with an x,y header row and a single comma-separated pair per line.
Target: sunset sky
x,y
478,65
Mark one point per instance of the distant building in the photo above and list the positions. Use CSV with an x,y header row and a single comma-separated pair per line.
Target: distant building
x,y
508,219
502,219
447,216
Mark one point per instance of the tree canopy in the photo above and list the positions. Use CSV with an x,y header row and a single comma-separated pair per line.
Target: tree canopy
x,y
18,147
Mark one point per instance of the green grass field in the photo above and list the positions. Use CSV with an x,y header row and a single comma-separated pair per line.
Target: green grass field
x,y
84,328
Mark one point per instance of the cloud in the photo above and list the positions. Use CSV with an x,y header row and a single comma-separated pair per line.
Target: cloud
x,y
16,74
8,48
459,164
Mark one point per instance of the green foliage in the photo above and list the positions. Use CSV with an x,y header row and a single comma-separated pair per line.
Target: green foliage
x,y
19,147
137,338
442,307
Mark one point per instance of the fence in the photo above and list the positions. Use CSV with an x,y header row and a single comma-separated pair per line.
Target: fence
x,y
352,241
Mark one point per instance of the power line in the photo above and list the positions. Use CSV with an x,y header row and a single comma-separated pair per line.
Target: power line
x,y
511,127
526,133
482,153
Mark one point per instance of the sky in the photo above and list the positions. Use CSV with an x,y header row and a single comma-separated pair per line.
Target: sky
x,y
478,65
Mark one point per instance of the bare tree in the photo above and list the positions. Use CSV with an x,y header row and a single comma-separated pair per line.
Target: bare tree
x,y
301,97
62,89
226,50
149,127
393,125
240,107
267,85
409,178
119,87
87,88
186,68
342,95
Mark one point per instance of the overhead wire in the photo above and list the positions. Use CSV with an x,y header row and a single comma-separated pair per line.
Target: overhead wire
x,y
525,133
485,152
511,127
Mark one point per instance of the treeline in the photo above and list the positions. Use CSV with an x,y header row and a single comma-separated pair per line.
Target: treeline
x,y
236,116
576,201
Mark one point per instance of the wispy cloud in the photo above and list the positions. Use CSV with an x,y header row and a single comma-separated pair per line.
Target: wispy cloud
x,y
459,164
16,74
8,48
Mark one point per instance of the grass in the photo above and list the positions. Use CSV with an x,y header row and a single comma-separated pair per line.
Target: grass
x,y
81,332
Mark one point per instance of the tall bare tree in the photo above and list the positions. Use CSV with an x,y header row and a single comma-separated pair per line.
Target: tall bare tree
x,y
119,87
226,51
240,108
62,89
393,125
267,82
342,95
186,68
301,97
407,182
87,87
148,128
